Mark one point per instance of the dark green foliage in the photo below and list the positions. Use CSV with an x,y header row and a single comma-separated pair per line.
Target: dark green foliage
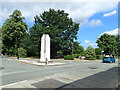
x,y
22,52
36,33
61,29
118,45
108,43
77,49
30,47
82,54
56,23
90,58
90,53
99,56
69,57
98,51
13,31
76,55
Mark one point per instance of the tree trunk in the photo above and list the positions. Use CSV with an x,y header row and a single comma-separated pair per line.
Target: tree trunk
x,y
16,51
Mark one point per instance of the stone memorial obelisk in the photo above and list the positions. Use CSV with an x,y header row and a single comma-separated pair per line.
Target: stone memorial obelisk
x,y
45,48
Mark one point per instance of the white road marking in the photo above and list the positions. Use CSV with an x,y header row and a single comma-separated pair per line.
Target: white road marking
x,y
13,84
17,72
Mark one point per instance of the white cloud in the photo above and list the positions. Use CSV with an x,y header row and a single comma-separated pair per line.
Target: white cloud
x,y
95,22
112,32
92,44
109,14
87,41
79,11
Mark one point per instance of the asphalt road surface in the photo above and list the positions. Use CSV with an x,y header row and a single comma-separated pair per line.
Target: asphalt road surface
x,y
90,74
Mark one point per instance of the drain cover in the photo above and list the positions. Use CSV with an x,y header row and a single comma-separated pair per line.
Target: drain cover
x,y
49,83
93,67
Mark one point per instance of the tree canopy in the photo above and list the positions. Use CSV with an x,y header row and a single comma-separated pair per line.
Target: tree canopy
x,y
108,43
59,26
90,52
77,49
13,31
62,31
98,51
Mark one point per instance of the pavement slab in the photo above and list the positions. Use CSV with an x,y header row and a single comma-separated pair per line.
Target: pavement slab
x,y
35,62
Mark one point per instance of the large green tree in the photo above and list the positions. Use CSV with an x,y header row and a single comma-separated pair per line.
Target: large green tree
x,y
90,52
13,31
60,27
77,49
108,43
31,45
98,51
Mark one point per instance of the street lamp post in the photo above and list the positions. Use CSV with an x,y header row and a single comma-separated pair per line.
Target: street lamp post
x,y
102,52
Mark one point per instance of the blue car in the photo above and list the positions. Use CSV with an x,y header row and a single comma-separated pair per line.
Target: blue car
x,y
109,59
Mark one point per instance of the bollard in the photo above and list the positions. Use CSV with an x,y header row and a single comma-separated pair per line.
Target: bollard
x,y
46,61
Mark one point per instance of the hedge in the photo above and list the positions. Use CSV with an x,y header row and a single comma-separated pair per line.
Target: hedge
x,y
69,57
99,57
90,58
22,52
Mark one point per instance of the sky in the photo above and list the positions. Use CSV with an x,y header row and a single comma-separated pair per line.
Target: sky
x,y
95,16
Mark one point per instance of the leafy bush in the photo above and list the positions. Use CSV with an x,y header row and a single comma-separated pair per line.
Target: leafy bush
x,y
69,57
90,58
22,52
90,52
82,54
75,55
0,47
99,57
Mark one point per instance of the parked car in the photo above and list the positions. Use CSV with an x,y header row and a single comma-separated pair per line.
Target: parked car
x,y
109,59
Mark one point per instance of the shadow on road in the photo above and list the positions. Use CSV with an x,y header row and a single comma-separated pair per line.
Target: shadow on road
x,y
106,80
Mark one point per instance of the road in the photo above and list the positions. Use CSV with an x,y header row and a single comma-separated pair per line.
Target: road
x,y
74,73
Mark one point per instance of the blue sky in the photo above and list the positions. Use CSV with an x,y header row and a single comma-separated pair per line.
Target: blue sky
x,y
91,33
95,18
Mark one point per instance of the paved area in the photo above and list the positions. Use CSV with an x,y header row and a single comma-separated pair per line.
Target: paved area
x,y
74,74
36,62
